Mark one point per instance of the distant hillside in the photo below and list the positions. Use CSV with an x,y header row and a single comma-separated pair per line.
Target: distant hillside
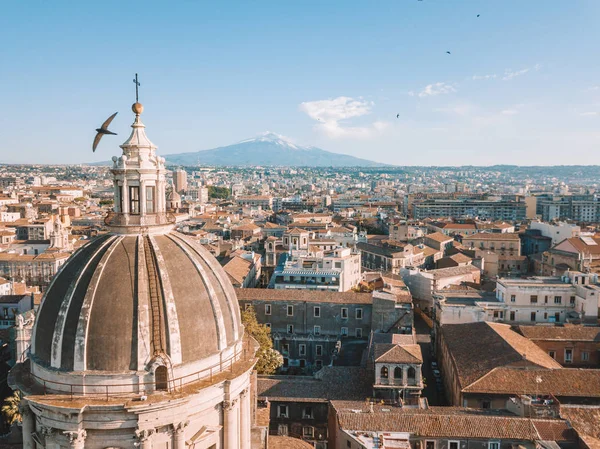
x,y
268,149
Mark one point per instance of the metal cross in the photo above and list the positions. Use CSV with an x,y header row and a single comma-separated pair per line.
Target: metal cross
x,y
137,84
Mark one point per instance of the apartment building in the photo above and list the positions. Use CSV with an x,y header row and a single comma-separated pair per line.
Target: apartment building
x,y
390,256
510,210
572,297
310,327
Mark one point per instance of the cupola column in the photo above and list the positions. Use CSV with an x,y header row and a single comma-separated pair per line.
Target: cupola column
x,y
179,435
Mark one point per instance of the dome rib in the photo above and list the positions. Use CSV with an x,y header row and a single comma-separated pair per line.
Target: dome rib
x,y
43,331
212,295
86,309
63,351
172,322
224,283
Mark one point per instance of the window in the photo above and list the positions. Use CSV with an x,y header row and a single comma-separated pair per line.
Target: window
x,y
585,356
302,363
532,316
344,331
134,200
512,316
568,355
290,328
267,309
290,310
513,298
319,350
308,413
546,299
557,299
384,372
359,314
429,444
268,325
533,299
494,445
486,404
317,312
358,332
307,431
282,411
397,373
572,300
344,312
317,330
149,199
319,364
552,354
302,349
338,264
161,378
348,443
557,317
454,444
285,349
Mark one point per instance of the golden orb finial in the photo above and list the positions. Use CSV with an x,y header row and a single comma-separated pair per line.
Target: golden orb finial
x,y
137,108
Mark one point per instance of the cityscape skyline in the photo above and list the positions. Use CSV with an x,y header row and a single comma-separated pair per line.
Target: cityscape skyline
x,y
512,91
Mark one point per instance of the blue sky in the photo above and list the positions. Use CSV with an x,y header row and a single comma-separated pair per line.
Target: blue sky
x,y
521,85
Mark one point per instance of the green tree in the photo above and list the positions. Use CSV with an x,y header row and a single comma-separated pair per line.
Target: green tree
x,y
10,409
218,192
268,358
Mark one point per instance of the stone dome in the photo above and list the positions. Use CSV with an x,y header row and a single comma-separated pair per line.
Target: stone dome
x,y
121,301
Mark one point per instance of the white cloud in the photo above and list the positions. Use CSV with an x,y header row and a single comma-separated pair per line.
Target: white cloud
x,y
510,74
509,112
589,114
436,89
593,88
331,115
484,77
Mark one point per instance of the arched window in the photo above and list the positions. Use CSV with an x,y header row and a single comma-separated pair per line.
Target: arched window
x,y
384,372
397,373
161,378
411,373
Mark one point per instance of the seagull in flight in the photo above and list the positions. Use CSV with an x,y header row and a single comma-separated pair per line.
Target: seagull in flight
x,y
478,15
448,52
397,115
103,130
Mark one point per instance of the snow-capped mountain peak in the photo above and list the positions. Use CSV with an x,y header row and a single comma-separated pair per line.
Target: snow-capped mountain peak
x,y
275,138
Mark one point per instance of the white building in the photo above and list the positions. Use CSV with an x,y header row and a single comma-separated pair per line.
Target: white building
x,y
138,342
423,284
557,232
573,296
316,265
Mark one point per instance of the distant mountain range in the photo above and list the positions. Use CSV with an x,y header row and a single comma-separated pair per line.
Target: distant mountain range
x,y
271,150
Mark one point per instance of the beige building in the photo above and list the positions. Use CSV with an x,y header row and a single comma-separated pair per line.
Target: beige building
x,y
180,181
504,244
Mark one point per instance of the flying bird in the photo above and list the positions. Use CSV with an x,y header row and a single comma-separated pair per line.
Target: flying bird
x,y
103,130
478,15
397,115
448,52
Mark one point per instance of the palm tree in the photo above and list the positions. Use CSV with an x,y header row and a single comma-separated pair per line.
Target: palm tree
x,y
10,409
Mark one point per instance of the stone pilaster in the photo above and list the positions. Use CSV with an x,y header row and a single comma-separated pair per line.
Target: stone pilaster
x,y
28,426
76,438
144,438
230,424
245,419
179,434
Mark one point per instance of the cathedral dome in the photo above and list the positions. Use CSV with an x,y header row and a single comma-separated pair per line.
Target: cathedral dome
x,y
140,297
123,300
